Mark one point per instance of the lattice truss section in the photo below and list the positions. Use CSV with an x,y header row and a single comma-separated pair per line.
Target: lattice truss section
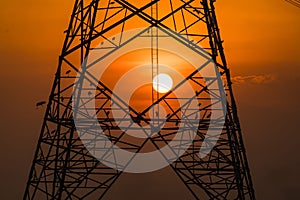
x,y
64,169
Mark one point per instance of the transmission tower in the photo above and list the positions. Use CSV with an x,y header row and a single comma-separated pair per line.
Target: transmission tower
x,y
64,166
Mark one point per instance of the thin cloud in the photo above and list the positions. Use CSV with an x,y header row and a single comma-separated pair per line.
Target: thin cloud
x,y
294,2
254,79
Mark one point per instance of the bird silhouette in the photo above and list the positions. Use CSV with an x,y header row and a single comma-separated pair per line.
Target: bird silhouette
x,y
41,103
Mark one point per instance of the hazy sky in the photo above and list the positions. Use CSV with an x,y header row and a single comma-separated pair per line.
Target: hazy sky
x,y
262,48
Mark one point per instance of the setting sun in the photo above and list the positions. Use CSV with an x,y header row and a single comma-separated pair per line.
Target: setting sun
x,y
162,83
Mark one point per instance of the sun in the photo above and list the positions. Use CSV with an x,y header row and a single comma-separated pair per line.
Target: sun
x,y
162,83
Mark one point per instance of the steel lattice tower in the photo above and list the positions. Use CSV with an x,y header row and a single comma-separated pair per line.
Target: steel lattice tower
x,y
62,167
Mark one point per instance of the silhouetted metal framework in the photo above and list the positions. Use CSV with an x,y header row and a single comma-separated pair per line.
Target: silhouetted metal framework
x,y
62,167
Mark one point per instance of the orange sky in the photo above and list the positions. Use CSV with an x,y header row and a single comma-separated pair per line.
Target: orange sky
x,y
262,48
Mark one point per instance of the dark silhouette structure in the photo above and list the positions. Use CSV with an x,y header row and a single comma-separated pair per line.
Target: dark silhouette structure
x,y
63,168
